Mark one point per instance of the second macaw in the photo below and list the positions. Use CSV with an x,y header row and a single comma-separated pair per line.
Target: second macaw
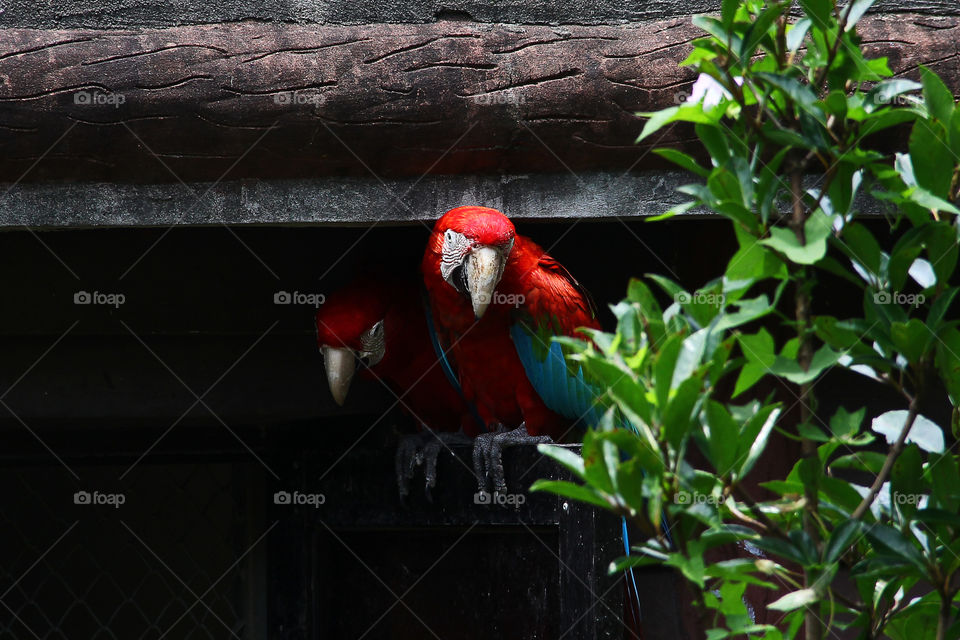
x,y
378,323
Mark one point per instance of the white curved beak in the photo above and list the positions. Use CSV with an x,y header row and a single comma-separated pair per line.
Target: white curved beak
x,y
340,365
484,266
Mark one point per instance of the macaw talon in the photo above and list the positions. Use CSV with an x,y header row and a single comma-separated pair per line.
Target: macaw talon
x,y
481,449
488,453
437,442
409,450
423,450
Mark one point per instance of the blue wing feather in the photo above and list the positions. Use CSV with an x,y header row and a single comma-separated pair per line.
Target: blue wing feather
x,y
562,389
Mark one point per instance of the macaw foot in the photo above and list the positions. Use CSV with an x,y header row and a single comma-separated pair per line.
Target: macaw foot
x,y
409,456
437,442
488,454
423,449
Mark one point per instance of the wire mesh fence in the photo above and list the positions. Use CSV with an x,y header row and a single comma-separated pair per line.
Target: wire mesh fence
x,y
165,552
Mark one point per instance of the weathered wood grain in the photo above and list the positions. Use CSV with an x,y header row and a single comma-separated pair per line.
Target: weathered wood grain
x,y
291,101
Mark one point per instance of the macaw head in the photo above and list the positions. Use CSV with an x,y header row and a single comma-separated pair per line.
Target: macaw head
x,y
350,329
473,244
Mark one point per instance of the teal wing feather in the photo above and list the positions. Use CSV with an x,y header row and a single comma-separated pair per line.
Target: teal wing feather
x,y
560,384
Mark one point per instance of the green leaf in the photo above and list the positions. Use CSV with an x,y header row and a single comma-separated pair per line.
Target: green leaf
x,y
679,412
728,12
797,33
802,95
714,138
906,480
888,538
724,433
753,261
693,567
855,12
738,213
750,374
884,93
948,362
944,471
794,600
954,133
845,424
941,243
938,97
911,339
567,458
758,347
789,368
716,28
820,11
758,30
816,230
690,357
869,461
754,437
683,160
840,539
570,490
663,368
933,162
862,247
672,211
682,113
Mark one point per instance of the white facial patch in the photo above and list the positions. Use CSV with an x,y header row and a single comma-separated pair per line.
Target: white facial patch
x,y
456,246
374,344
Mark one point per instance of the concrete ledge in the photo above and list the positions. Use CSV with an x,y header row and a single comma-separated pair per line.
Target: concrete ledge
x,y
337,200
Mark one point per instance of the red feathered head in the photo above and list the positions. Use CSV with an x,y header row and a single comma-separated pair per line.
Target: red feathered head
x,y
350,326
473,244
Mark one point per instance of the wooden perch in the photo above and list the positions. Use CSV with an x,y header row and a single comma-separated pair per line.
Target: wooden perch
x,y
253,99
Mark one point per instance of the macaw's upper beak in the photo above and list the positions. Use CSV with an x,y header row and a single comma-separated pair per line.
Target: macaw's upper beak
x,y
484,266
340,365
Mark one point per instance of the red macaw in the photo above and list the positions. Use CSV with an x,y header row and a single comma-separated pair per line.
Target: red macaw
x,y
496,298
379,322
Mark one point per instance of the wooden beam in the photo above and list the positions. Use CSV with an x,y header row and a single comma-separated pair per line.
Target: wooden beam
x,y
292,101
